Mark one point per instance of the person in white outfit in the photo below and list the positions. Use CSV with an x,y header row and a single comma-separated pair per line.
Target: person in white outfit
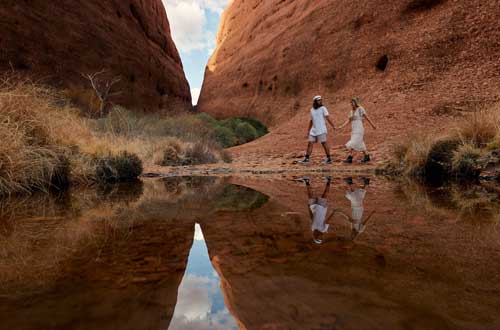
x,y
318,210
357,196
317,130
357,141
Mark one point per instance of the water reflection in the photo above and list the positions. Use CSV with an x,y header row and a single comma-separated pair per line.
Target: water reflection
x,y
124,259
200,303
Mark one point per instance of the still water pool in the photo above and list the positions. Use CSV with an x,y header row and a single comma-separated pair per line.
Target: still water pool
x,y
252,253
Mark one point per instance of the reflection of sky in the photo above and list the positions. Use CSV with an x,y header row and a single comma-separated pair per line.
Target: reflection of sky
x,y
200,304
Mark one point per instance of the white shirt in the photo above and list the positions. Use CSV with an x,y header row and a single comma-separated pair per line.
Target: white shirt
x,y
319,217
318,120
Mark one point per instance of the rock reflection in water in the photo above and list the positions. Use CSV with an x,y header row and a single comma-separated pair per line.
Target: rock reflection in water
x,y
395,256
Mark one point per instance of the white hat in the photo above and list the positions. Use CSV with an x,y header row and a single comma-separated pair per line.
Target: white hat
x,y
317,98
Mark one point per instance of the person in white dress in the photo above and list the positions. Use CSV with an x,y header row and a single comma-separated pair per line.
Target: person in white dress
x,y
317,130
356,195
357,141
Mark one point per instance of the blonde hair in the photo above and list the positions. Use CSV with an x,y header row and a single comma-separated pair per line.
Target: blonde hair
x,y
355,100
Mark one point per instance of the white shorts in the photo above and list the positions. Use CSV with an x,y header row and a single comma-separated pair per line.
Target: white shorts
x,y
319,138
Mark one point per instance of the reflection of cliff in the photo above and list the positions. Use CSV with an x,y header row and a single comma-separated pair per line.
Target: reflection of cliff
x,y
407,270
105,259
118,263
96,265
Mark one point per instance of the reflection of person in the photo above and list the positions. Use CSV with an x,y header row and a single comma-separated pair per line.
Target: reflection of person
x,y
317,129
318,209
357,141
356,196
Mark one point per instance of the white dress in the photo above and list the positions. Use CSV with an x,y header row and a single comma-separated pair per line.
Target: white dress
x,y
356,198
357,141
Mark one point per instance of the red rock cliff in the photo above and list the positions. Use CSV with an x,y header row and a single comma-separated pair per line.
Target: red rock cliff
x,y
57,41
406,59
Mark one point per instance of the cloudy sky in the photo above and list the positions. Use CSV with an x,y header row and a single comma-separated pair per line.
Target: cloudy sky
x,y
200,303
194,26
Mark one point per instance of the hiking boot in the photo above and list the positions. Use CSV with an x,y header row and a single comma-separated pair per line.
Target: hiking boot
x,y
327,161
305,161
306,180
366,159
348,160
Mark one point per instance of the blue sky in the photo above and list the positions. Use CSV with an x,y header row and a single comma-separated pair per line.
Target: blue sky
x,y
194,26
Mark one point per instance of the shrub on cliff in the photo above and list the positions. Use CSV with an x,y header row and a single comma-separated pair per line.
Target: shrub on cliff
x,y
245,132
234,131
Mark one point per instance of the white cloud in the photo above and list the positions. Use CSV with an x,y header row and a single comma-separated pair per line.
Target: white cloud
x,y
195,95
188,22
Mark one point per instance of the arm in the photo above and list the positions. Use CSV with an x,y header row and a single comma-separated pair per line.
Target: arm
x,y
330,121
369,121
310,126
344,124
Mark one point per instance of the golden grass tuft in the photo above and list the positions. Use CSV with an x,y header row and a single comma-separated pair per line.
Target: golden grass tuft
x,y
46,140
474,136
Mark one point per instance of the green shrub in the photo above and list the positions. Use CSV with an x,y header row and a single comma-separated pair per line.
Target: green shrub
x,y
260,127
123,167
225,136
234,131
245,132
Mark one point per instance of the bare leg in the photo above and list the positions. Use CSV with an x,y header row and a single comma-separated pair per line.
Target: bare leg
x,y
309,192
310,146
327,190
326,147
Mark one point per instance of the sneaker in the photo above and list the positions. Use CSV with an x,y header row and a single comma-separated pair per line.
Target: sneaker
x,y
366,159
305,161
327,161
348,160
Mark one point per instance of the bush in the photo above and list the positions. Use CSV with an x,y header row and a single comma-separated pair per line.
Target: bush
x,y
466,161
245,132
122,167
199,153
234,131
171,157
439,160
225,136
458,154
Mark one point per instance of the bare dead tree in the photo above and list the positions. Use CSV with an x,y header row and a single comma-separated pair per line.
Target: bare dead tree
x,y
103,88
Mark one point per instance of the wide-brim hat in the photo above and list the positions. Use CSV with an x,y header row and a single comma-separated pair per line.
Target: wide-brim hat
x,y
317,98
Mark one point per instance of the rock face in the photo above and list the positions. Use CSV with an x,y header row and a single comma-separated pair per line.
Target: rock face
x,y
57,42
406,60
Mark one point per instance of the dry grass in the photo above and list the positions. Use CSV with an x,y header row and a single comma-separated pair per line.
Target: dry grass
x,y
480,129
474,136
46,142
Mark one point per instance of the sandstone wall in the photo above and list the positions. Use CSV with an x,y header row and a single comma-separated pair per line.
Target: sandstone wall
x,y
57,41
407,60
